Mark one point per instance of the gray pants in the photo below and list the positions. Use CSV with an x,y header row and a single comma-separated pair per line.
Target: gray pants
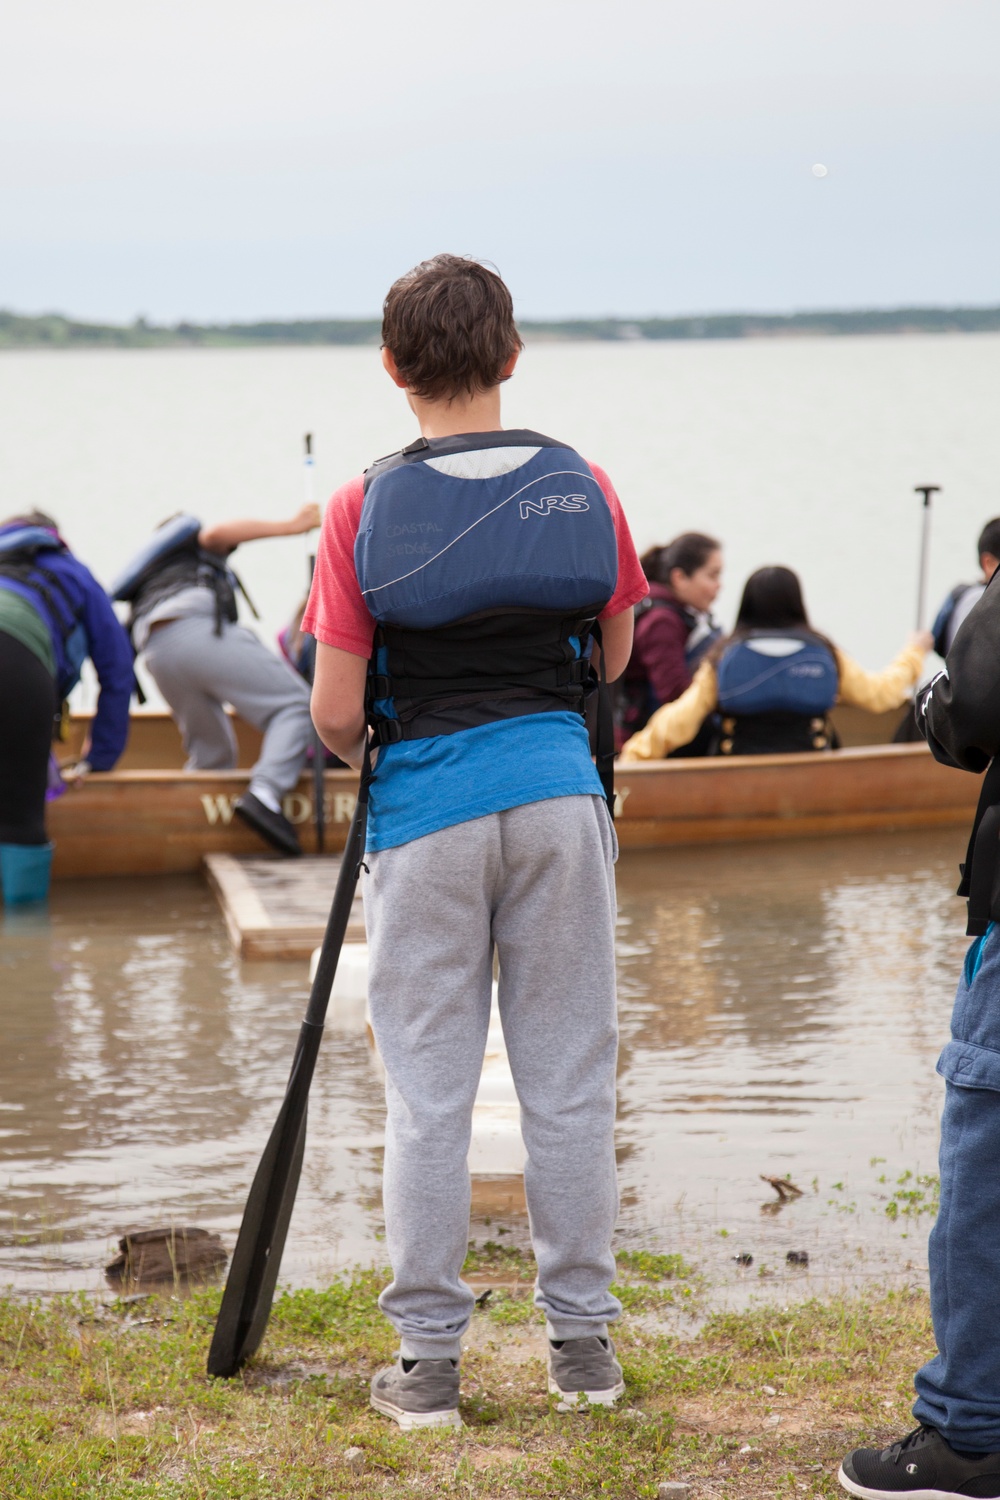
x,y
198,672
537,884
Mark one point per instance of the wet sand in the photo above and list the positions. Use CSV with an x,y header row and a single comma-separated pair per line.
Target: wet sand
x,y
782,1009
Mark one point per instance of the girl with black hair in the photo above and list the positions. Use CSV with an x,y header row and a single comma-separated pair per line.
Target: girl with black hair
x,y
772,682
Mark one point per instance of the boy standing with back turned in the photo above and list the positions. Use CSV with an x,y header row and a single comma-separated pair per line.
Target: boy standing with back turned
x,y
459,582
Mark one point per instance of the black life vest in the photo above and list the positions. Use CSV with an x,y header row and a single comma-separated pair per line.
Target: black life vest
x,y
485,559
776,688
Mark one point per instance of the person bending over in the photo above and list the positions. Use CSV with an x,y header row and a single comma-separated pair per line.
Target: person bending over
x,y
184,618
673,630
53,615
772,682
461,579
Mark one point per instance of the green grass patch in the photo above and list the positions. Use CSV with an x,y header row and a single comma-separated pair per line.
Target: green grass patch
x,y
112,1401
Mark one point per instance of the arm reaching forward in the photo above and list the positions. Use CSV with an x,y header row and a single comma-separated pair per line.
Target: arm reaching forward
x,y
226,535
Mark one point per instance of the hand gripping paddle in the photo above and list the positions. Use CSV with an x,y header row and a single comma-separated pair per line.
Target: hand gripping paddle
x,y
246,1301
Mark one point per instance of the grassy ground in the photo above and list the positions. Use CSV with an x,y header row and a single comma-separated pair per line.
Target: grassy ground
x,y
112,1400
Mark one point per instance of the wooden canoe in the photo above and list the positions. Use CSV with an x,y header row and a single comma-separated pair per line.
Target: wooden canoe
x,y
151,817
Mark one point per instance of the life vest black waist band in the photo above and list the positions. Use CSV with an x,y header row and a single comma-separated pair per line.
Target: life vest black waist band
x,y
430,717
776,733
571,676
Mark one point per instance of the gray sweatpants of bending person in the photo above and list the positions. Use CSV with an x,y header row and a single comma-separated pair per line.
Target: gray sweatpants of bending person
x,y
198,672
537,883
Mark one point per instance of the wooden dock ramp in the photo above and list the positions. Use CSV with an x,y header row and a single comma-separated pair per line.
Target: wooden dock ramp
x,y
278,908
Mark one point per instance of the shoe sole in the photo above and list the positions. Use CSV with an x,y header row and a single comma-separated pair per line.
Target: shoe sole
x,y
592,1398
409,1421
864,1493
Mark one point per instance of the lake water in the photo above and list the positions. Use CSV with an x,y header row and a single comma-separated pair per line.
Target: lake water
x,y
782,1007
803,451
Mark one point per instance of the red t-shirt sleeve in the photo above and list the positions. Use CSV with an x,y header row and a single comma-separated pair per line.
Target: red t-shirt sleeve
x,y
336,614
632,585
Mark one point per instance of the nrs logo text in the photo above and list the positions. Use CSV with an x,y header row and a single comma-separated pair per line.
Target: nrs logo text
x,y
548,503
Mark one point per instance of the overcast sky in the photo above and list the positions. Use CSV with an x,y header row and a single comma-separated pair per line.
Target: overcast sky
x,y
216,159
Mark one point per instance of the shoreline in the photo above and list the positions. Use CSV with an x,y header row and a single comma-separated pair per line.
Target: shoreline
x,y
56,331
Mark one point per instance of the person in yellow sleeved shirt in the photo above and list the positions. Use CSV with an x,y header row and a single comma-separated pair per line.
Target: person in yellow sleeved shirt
x,y
774,679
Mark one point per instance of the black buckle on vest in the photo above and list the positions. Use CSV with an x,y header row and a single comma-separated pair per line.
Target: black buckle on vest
x,y
387,732
380,686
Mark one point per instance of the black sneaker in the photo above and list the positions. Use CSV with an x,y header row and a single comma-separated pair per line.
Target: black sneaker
x,y
924,1467
273,827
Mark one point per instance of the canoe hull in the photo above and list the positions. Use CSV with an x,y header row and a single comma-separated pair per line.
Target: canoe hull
x,y
863,789
165,822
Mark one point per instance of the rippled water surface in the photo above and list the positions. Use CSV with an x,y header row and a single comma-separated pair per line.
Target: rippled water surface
x,y
782,1008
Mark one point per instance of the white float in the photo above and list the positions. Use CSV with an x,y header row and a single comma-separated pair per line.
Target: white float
x,y
496,1148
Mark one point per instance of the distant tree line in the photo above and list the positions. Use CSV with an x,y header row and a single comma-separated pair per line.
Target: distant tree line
x,y
53,331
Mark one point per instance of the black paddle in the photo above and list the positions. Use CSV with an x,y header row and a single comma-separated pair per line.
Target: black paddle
x,y
246,1301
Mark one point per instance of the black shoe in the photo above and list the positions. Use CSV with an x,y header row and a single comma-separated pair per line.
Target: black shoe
x,y
273,827
924,1467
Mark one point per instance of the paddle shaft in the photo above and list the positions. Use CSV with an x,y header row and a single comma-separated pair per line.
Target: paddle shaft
x,y
927,490
318,748
253,1273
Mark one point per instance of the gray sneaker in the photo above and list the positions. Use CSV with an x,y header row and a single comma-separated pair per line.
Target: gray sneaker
x,y
418,1393
585,1370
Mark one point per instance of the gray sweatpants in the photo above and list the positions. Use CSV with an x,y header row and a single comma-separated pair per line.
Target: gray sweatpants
x,y
537,884
198,672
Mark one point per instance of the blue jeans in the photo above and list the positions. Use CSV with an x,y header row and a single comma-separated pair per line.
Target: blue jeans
x,y
958,1392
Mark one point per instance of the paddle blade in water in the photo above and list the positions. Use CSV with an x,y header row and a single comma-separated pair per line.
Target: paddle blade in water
x,y
246,1301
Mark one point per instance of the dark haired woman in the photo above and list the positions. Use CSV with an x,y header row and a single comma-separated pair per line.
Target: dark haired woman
x,y
673,628
774,680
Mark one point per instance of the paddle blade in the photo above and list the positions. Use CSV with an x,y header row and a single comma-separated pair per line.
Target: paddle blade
x,y
253,1273
246,1301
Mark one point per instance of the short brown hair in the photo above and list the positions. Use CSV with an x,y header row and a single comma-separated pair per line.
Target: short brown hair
x,y
449,325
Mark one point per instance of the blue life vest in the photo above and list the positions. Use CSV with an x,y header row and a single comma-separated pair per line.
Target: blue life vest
x,y
703,636
172,561
485,559
174,536
944,630
22,562
775,689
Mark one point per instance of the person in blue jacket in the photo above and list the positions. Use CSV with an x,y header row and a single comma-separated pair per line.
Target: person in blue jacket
x,y
53,615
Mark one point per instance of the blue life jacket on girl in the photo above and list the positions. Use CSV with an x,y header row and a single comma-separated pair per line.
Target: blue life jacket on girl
x,y
36,564
776,688
485,559
23,553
